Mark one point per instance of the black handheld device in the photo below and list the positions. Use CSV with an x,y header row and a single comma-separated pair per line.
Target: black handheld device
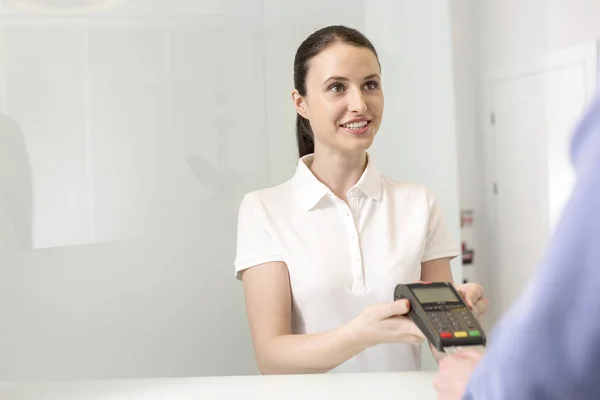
x,y
441,314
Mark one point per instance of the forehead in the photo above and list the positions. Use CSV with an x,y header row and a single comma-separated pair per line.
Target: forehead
x,y
351,62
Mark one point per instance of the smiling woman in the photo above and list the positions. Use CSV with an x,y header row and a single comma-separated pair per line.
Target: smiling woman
x,y
348,79
321,253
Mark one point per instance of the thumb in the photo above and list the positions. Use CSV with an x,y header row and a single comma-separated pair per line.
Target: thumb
x,y
474,354
398,307
413,330
465,292
474,294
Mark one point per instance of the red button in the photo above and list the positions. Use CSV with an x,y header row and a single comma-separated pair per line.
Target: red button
x,y
446,335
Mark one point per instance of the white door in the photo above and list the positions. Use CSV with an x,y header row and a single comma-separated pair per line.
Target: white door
x,y
533,110
521,184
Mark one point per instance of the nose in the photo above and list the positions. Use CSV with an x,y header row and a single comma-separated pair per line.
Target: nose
x,y
356,101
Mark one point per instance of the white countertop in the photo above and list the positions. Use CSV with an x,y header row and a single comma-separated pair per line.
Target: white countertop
x,y
399,386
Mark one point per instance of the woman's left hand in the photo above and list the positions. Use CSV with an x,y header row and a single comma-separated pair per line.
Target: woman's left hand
x,y
473,295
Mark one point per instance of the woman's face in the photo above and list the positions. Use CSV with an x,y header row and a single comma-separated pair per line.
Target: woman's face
x,y
344,99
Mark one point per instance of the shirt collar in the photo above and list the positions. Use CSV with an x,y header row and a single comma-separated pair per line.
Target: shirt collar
x,y
309,190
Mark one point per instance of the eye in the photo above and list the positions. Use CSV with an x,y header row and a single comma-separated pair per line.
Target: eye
x,y
336,87
372,85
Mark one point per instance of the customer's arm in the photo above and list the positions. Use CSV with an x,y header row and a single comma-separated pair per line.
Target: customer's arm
x,y
548,346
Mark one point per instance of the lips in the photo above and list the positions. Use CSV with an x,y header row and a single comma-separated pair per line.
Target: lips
x,y
356,127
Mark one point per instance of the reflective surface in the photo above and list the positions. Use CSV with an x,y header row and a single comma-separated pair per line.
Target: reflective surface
x,y
130,129
128,135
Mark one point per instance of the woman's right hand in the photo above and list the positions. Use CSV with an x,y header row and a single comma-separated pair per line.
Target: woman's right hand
x,y
387,323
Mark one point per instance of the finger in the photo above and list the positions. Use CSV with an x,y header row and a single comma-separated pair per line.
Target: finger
x,y
473,293
473,354
398,307
413,339
463,291
408,328
486,306
449,363
439,382
481,307
414,331
417,333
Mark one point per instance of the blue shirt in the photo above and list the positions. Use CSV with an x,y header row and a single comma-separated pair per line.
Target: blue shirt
x,y
548,345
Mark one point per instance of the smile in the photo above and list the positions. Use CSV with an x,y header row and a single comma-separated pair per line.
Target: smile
x,y
357,127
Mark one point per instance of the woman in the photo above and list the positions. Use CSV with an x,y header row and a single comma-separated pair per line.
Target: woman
x,y
320,254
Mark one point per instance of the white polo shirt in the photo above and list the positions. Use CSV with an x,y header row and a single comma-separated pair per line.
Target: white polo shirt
x,y
342,257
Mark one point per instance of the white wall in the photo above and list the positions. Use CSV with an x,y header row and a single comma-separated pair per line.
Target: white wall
x,y
417,140
571,22
492,35
511,31
142,127
466,60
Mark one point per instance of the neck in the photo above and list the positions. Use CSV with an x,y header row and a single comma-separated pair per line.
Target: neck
x,y
339,172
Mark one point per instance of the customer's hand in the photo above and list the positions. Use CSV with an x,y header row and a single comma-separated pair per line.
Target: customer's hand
x,y
473,295
454,373
387,323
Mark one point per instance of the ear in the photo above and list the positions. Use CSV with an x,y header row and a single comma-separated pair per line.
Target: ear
x,y
299,103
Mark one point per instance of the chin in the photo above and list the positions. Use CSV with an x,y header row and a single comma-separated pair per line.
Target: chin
x,y
354,142
360,145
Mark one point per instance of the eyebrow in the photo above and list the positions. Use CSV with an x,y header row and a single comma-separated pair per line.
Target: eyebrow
x,y
341,78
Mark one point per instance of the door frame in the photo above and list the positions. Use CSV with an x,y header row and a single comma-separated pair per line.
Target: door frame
x,y
586,55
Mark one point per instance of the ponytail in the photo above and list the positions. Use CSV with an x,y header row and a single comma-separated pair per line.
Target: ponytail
x,y
304,136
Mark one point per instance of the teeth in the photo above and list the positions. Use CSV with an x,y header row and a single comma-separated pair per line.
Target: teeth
x,y
356,125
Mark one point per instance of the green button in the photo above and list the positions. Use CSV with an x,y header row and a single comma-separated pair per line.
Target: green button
x,y
474,333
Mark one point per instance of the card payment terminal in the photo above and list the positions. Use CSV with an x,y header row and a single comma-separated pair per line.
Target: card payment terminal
x,y
442,315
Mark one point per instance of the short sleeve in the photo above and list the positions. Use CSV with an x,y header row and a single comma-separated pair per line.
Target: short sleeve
x,y
439,242
254,244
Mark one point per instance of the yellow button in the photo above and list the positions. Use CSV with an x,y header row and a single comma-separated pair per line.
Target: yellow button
x,y
460,334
